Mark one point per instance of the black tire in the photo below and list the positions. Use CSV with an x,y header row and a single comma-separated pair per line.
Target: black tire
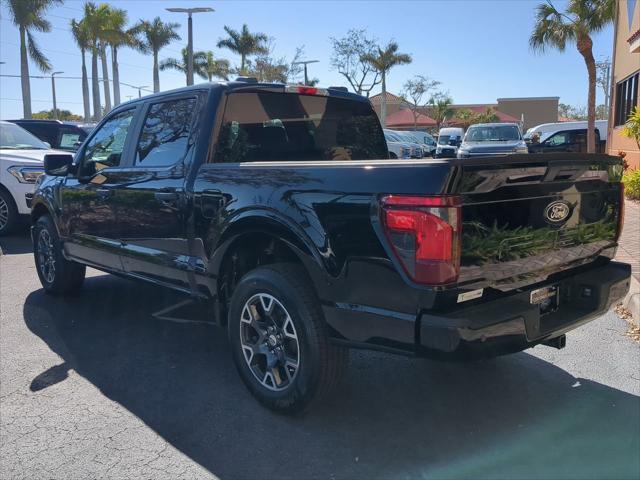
x,y
57,275
8,212
320,364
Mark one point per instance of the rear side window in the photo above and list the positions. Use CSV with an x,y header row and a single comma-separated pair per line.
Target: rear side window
x,y
270,126
165,135
71,138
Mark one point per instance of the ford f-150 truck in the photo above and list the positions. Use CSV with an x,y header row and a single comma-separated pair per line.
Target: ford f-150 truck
x,y
279,209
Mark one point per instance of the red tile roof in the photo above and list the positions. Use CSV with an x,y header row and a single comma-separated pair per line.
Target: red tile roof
x,y
391,98
404,118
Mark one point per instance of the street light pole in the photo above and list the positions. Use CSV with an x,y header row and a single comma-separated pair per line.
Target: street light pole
x,y
305,63
189,12
140,89
53,91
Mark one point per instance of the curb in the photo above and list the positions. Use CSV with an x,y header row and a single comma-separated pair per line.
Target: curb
x,y
632,301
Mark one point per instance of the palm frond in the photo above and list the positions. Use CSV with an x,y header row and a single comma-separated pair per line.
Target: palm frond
x,y
36,54
172,64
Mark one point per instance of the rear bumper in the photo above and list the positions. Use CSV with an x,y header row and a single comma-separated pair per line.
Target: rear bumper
x,y
505,325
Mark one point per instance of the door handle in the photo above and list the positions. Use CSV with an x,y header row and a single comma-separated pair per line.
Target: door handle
x,y
166,197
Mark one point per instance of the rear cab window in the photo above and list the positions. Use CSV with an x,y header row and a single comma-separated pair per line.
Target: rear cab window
x,y
164,138
272,126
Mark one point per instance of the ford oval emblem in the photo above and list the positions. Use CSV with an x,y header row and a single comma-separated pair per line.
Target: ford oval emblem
x,y
557,212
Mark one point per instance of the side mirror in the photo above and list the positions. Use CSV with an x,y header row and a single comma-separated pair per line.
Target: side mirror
x,y
47,144
57,164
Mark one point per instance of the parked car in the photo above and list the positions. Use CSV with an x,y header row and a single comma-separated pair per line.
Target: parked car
x,y
276,206
59,135
21,156
415,148
449,139
397,147
565,137
484,139
427,142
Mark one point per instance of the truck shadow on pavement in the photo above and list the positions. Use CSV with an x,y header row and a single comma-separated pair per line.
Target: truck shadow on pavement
x,y
512,417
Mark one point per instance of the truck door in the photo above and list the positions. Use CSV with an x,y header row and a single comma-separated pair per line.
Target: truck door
x,y
152,203
88,218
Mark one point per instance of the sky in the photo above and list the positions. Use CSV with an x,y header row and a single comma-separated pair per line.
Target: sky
x,y
477,49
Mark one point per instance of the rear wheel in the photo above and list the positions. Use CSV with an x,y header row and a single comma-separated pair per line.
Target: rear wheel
x,y
57,274
279,340
8,212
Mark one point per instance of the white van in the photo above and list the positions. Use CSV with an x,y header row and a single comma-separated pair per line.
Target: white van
x,y
546,130
449,140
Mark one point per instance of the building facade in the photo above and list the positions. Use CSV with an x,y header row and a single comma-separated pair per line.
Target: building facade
x,y
625,79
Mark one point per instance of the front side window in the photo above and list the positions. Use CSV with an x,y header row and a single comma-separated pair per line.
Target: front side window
x,y
106,146
560,138
165,135
269,126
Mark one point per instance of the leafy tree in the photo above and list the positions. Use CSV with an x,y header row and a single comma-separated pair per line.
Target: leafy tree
x,y
81,37
157,35
440,107
466,116
488,116
91,23
244,43
199,63
347,60
414,92
382,61
216,68
29,15
576,24
64,115
631,129
117,35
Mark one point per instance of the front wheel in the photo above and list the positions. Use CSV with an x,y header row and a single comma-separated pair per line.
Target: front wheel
x,y
279,340
8,212
57,274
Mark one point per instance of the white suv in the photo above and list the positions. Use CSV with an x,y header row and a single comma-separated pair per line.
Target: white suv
x,y
21,164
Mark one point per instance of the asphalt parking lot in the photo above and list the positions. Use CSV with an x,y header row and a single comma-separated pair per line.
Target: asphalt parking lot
x,y
110,385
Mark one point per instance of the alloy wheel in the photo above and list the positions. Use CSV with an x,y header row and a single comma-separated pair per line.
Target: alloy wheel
x,y
269,342
4,213
46,257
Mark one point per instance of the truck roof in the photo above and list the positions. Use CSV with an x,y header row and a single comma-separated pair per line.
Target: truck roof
x,y
251,84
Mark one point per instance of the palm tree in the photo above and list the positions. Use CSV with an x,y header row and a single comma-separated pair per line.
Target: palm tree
x,y
199,63
81,36
101,27
244,43
157,35
382,61
216,68
117,36
28,15
440,108
91,22
577,23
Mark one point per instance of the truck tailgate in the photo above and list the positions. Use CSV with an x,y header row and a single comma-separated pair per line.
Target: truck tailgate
x,y
525,217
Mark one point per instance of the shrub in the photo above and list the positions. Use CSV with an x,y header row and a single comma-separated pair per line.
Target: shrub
x,y
631,180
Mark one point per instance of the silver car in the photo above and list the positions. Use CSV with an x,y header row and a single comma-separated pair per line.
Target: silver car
x,y
484,139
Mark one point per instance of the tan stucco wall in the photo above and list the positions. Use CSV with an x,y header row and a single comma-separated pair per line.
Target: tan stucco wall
x,y
624,64
535,110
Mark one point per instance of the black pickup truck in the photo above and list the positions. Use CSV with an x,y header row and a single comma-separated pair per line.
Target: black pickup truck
x,y
278,207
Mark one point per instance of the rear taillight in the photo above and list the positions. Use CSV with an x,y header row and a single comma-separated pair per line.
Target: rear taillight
x,y
424,233
620,212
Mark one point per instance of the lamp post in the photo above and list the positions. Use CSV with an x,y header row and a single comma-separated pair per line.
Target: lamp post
x,y
53,91
140,89
190,11
305,63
